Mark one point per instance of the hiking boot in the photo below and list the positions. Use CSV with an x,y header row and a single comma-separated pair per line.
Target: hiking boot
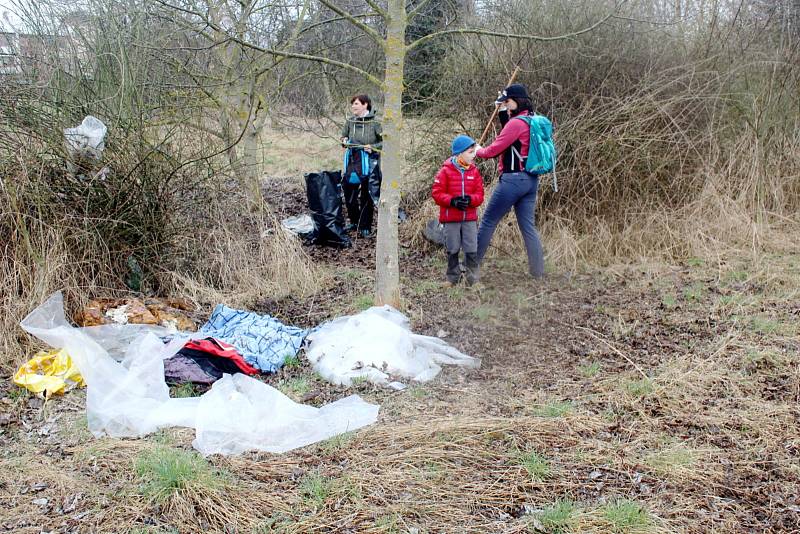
x,y
349,227
365,233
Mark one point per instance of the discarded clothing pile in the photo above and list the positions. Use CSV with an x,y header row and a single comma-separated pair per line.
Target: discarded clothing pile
x,y
204,361
263,341
236,341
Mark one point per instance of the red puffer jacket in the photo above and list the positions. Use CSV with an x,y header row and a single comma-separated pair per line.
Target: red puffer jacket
x,y
451,182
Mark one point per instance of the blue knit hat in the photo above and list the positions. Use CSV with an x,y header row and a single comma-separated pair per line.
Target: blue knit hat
x,y
461,143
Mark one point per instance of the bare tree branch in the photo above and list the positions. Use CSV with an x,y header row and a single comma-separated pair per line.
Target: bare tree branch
x,y
374,5
318,59
476,31
333,19
417,10
354,21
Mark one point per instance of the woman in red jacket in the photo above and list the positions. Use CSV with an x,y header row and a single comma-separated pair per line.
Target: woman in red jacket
x,y
516,188
458,190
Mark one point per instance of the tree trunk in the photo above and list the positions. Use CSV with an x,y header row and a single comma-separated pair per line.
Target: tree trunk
x,y
387,265
251,166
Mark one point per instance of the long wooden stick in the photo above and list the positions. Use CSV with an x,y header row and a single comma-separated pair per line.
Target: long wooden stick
x,y
497,108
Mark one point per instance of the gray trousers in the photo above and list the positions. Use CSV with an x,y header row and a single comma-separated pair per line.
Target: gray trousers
x,y
462,236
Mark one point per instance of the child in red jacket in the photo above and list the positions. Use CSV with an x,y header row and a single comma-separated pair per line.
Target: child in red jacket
x,y
458,190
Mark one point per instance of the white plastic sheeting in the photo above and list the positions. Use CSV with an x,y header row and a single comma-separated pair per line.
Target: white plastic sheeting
x,y
378,344
131,399
87,139
299,224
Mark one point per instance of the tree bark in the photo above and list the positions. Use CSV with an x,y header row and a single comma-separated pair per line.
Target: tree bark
x,y
387,264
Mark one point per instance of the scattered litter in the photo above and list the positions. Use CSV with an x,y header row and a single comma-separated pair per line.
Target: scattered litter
x,y
49,372
169,313
263,341
131,398
376,344
301,225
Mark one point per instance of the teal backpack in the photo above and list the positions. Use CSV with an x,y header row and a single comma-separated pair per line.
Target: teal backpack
x,y
542,150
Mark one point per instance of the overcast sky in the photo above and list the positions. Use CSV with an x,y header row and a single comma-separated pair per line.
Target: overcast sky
x,y
7,18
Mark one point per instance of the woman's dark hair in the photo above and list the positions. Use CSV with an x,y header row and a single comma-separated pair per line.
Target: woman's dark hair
x,y
364,99
523,104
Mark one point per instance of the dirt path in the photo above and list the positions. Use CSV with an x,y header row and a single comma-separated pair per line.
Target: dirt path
x,y
621,400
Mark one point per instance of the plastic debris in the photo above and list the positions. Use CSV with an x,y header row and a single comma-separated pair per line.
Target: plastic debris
x,y
434,232
87,140
301,225
377,344
51,372
240,414
130,398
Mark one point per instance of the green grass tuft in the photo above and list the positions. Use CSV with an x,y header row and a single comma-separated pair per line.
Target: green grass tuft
x,y
535,464
292,361
165,471
186,390
554,409
590,370
626,516
315,489
558,518
639,388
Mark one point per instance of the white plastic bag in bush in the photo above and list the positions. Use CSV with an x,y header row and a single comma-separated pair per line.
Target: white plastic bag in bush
x,y
86,140
377,344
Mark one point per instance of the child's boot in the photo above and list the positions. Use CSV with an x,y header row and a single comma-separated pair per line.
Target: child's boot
x,y
453,268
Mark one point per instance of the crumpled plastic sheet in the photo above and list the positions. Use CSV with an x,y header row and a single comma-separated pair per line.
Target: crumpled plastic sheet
x,y
301,225
376,345
131,399
88,138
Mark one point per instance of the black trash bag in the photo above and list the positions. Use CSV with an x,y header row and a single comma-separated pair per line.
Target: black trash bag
x,y
374,180
323,190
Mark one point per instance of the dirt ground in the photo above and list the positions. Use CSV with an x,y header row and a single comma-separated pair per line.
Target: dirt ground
x,y
644,398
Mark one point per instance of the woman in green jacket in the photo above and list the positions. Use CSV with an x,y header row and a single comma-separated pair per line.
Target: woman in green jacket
x,y
362,140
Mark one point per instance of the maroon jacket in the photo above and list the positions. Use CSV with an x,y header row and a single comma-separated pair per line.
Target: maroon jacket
x,y
451,181
515,135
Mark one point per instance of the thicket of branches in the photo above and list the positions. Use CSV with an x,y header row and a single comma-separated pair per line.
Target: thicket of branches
x,y
669,114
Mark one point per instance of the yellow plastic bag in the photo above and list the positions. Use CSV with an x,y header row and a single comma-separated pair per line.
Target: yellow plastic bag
x,y
50,372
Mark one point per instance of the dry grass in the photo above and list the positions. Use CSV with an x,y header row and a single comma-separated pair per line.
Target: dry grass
x,y
705,443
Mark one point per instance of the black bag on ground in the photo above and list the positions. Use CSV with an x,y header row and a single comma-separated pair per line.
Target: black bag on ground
x,y
374,180
323,190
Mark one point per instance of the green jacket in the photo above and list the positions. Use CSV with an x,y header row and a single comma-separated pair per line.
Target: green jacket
x,y
365,130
